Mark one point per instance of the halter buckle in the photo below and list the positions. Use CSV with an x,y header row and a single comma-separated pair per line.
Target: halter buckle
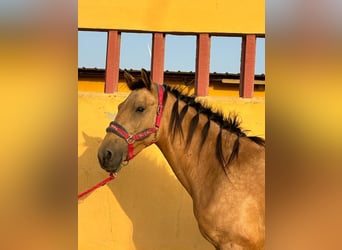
x,y
159,109
130,140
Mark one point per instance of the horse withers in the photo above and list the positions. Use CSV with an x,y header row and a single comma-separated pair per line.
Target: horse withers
x,y
221,167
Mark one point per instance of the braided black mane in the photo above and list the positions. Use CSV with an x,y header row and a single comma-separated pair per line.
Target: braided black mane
x,y
231,123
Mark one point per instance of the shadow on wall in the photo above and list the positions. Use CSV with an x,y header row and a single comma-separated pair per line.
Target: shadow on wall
x,y
157,205
89,170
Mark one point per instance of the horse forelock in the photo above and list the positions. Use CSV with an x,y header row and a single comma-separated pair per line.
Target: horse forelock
x,y
138,84
230,123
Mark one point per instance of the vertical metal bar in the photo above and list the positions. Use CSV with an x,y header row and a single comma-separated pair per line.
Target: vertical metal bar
x,y
158,55
202,65
247,69
112,61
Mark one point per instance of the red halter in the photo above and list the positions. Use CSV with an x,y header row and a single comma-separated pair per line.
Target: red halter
x,y
117,129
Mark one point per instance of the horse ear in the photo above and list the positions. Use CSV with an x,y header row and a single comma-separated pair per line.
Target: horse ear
x,y
145,76
130,80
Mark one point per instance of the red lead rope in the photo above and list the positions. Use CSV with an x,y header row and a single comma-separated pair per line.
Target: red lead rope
x,y
102,183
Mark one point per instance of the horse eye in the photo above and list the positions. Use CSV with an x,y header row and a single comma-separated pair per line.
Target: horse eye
x,y
140,109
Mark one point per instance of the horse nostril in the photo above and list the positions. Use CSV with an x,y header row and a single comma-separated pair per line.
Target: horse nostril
x,y
108,155
105,156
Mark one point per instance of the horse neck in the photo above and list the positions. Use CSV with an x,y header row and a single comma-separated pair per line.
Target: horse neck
x,y
193,168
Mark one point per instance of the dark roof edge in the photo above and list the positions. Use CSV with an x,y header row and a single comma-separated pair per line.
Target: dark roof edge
x,y
95,72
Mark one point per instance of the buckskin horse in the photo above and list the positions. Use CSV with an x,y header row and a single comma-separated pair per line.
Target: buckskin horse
x,y
221,167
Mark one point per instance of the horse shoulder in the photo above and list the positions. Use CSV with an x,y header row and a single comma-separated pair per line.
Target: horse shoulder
x,y
234,219
233,214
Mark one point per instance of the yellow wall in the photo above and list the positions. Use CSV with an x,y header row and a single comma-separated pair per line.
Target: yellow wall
x,y
145,207
215,89
220,16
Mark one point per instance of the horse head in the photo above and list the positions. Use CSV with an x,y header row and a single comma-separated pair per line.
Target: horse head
x,y
135,125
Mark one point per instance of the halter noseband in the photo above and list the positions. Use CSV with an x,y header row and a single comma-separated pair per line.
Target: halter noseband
x,y
119,130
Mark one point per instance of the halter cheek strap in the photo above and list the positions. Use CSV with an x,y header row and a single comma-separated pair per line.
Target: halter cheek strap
x,y
119,130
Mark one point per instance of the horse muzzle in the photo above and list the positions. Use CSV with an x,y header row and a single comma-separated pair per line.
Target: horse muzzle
x,y
111,158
